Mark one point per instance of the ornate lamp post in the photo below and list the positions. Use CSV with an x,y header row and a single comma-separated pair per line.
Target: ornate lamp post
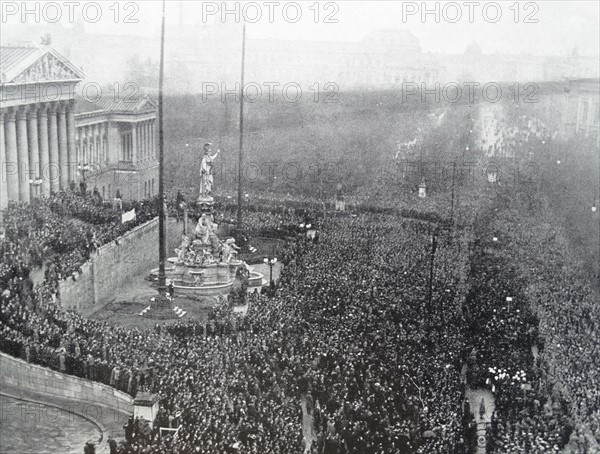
x,y
83,169
184,208
271,262
35,184
509,300
304,228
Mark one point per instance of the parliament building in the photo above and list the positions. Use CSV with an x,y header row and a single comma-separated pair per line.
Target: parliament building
x,y
52,140
116,141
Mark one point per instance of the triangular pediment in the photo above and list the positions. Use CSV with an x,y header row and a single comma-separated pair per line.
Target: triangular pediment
x,y
49,67
146,105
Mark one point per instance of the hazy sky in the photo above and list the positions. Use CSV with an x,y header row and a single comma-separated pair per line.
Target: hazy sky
x,y
560,24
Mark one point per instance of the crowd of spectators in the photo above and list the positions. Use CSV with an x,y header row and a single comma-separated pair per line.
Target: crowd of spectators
x,y
534,330
567,307
382,324
236,384
504,342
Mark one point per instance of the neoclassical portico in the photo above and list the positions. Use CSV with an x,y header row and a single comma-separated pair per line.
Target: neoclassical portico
x,y
37,127
115,142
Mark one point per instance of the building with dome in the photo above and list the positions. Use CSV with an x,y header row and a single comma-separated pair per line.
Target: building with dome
x,y
383,59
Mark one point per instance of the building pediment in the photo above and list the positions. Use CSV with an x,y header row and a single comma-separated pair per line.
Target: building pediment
x,y
146,105
47,69
40,66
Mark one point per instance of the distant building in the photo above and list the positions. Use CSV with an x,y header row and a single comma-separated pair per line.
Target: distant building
x,y
116,146
210,53
573,66
572,108
37,126
383,59
475,66
584,97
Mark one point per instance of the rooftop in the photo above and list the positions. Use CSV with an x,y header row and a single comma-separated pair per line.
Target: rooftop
x,y
31,63
111,104
10,57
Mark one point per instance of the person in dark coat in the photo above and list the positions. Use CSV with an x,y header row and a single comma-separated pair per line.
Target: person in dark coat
x,y
112,444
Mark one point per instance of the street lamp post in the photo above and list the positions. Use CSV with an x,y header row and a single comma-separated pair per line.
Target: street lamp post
x,y
35,184
185,217
509,300
304,228
271,262
83,169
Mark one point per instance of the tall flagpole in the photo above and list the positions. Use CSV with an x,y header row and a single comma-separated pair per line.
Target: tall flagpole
x,y
240,159
452,202
162,246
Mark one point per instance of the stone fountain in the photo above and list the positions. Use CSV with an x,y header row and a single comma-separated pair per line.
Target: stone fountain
x,y
206,265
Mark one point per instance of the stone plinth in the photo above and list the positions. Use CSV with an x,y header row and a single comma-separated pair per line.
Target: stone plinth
x,y
145,406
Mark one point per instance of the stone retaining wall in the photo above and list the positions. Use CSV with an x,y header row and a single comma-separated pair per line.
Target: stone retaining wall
x,y
90,399
132,255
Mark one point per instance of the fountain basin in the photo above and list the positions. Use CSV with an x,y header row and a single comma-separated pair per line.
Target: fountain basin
x,y
205,280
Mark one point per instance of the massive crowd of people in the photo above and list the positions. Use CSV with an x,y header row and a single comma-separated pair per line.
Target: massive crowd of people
x,y
239,382
380,327
534,337
504,342
565,394
63,230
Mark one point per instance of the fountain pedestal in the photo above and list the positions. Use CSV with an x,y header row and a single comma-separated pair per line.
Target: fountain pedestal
x,y
206,280
205,265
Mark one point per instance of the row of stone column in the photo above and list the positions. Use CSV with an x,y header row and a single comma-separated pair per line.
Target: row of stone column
x,y
127,146
92,144
144,132
37,144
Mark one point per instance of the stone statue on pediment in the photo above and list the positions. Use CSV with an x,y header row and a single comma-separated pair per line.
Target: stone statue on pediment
x,y
46,68
205,228
206,171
